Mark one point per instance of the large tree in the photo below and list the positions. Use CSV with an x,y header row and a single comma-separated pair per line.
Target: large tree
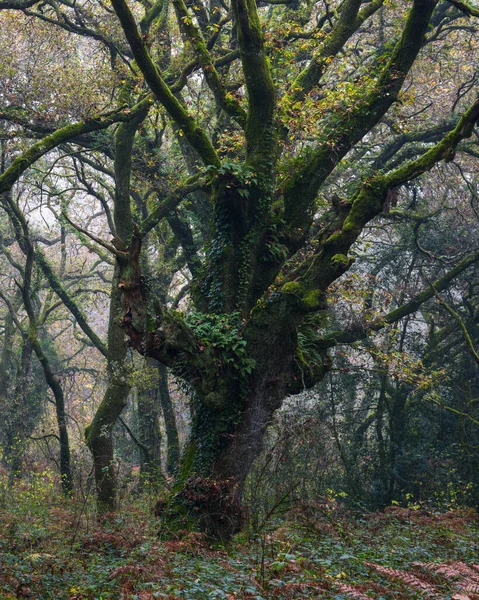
x,y
268,137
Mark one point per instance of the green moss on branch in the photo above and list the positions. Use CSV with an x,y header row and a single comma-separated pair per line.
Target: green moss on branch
x,y
193,34
192,131
53,140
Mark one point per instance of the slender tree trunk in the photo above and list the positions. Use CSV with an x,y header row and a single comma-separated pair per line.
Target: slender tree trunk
x,y
172,439
383,496
397,438
99,433
150,433
398,425
15,433
52,381
10,415
56,388
6,358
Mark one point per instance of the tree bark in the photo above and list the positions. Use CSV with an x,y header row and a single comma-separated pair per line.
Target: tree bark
x,y
52,381
99,433
172,439
228,428
14,431
149,432
56,388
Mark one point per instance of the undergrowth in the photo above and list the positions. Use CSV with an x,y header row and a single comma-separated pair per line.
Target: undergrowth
x,y
50,550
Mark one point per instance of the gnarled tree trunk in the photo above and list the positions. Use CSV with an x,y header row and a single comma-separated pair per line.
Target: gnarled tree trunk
x,y
268,266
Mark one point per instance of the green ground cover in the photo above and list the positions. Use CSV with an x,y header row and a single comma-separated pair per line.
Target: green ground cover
x,y
318,550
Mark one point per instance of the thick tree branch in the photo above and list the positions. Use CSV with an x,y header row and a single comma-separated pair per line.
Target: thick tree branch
x,y
336,338
444,150
64,134
261,136
330,261
152,14
462,325
466,8
427,136
69,302
16,4
348,129
192,131
92,236
350,20
193,34
193,184
124,141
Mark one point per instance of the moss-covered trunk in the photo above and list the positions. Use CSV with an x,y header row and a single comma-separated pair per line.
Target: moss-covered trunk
x,y
169,417
99,433
238,348
149,432
228,429
16,429
218,458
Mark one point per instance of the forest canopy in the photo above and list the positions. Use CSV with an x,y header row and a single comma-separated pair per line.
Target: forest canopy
x,y
256,201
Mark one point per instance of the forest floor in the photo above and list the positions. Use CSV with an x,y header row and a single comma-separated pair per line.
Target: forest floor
x,y
320,550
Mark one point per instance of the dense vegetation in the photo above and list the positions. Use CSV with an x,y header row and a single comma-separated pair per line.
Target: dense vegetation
x,y
239,287
321,550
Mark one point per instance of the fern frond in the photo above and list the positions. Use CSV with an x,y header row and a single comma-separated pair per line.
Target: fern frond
x,y
428,590
351,591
